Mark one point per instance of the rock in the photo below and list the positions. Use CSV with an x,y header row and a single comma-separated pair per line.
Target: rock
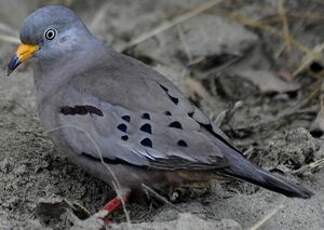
x,y
192,40
267,81
320,153
190,222
293,149
317,127
5,166
52,207
91,223
209,35
4,223
185,221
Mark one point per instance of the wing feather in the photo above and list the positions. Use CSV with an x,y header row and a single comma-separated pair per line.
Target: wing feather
x,y
162,130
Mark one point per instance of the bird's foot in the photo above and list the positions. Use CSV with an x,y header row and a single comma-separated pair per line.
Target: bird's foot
x,y
190,191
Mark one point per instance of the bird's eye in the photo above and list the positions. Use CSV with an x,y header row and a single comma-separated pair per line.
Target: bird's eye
x,y
50,34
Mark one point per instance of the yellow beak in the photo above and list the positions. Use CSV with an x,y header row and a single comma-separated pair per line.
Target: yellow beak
x,y
24,52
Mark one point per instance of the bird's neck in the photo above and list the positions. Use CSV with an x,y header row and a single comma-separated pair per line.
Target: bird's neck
x,y
50,76
71,62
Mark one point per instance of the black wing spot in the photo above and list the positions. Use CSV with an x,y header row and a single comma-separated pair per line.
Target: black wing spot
x,y
126,118
164,88
124,138
146,116
191,114
81,110
122,127
168,113
147,142
146,128
174,99
67,110
175,124
182,143
91,109
94,110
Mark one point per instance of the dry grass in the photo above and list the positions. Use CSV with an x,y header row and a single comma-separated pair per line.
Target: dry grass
x,y
267,217
310,54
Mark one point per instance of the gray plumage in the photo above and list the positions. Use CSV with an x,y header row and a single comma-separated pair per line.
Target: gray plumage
x,y
95,101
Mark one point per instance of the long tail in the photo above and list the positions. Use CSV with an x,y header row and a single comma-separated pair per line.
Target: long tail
x,y
243,169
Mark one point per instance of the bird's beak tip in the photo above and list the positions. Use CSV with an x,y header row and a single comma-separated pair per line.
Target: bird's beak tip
x,y
24,52
13,64
9,71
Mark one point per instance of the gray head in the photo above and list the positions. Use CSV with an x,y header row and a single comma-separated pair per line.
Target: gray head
x,y
54,17
50,33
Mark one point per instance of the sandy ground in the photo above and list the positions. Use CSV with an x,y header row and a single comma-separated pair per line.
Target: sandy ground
x,y
40,189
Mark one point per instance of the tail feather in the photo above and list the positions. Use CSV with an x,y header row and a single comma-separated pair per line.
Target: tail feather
x,y
241,168
274,183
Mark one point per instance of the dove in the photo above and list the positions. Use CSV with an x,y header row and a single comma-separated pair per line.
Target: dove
x,y
119,119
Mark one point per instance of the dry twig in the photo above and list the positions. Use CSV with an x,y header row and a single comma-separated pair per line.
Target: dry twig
x,y
169,24
285,28
184,43
9,39
260,223
310,167
260,25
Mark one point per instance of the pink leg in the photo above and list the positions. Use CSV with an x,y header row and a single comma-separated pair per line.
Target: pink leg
x,y
113,205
